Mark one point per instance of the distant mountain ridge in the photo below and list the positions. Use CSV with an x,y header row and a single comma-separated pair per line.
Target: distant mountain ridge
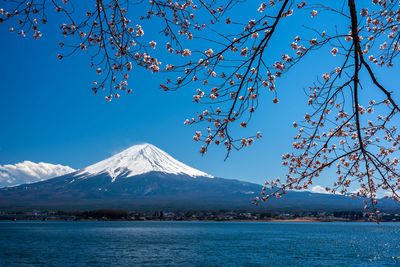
x,y
145,177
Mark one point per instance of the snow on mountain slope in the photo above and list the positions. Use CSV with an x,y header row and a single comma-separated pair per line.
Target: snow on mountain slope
x,y
140,159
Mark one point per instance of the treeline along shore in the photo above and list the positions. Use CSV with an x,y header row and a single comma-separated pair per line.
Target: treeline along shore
x,y
196,215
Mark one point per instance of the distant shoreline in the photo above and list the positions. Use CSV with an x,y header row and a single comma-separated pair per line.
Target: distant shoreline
x,y
56,219
206,216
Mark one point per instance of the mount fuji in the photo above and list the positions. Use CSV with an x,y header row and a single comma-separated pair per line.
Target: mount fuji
x,y
138,160
140,177
145,177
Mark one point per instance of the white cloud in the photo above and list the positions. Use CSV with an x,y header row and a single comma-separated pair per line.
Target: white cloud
x,y
358,190
318,189
30,172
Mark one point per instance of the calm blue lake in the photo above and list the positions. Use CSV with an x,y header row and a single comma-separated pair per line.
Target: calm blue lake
x,y
198,244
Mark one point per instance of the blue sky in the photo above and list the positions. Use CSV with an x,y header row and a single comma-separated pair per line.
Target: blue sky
x,y
49,114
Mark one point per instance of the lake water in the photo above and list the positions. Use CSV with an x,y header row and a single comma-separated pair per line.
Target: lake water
x,y
198,244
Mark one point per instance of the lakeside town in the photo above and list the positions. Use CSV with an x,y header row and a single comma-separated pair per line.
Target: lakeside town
x,y
194,215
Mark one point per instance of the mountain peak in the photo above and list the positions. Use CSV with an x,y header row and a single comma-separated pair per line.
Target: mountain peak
x,y
140,159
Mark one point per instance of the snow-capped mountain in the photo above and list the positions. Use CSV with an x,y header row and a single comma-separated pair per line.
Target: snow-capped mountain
x,y
145,177
140,159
